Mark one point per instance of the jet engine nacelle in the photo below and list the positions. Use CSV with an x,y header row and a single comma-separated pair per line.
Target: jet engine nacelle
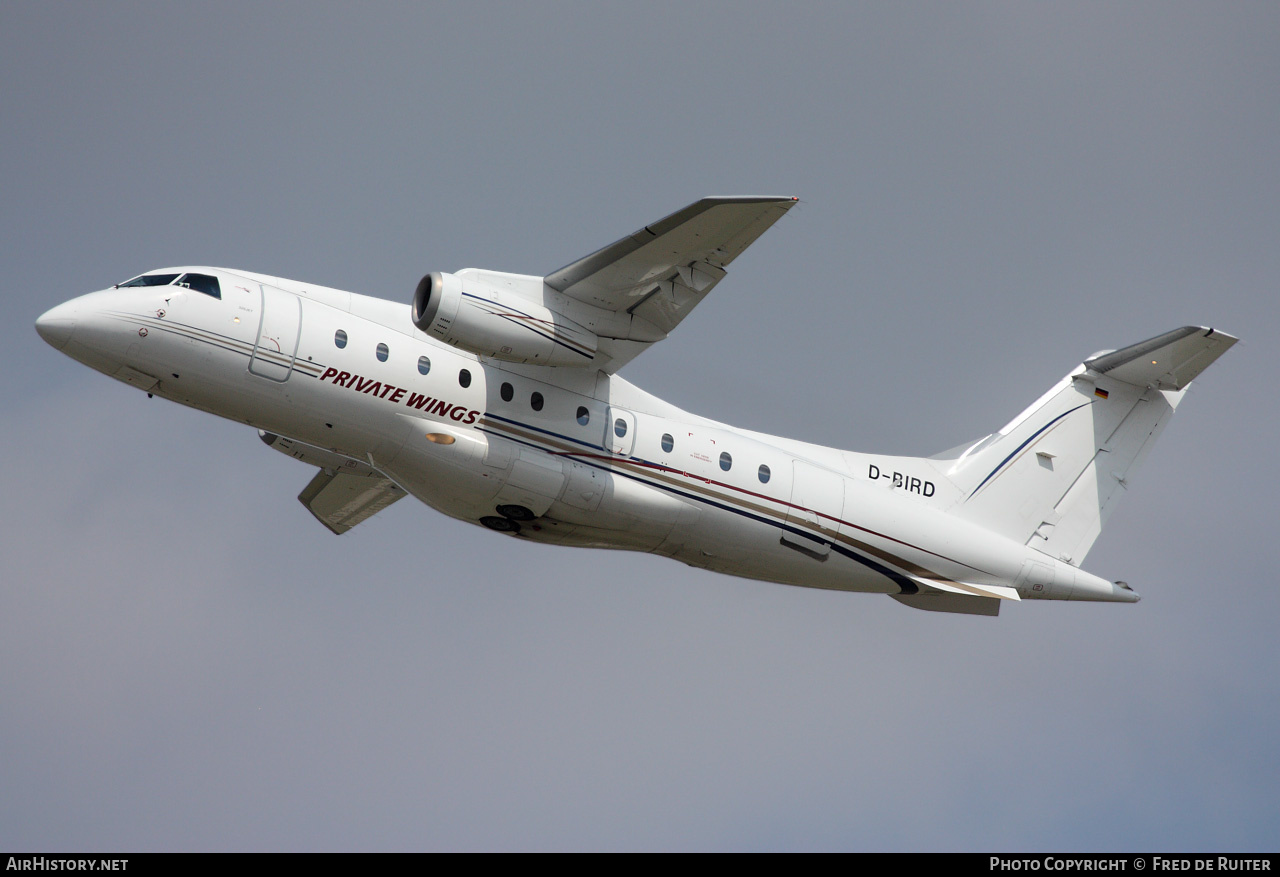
x,y
499,324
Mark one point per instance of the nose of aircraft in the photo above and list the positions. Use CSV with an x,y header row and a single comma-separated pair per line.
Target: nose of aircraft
x,y
56,324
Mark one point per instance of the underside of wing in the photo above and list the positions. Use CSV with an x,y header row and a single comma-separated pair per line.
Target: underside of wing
x,y
661,272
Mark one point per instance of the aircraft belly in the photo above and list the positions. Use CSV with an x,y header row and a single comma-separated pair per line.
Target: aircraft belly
x,y
909,535
534,480
446,477
628,514
725,542
585,486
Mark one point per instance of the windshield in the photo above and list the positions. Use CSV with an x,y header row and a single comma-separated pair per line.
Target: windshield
x,y
151,280
206,283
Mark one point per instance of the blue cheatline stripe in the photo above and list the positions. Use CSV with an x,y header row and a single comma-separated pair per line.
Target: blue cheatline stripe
x,y
558,435
1023,445
541,334
906,584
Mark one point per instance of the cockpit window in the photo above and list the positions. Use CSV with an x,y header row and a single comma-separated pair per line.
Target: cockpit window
x,y
205,283
153,280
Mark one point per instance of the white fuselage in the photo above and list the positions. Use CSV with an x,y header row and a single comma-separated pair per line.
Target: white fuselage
x,y
597,461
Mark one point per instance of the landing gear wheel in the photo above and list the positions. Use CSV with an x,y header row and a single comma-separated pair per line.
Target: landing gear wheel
x,y
502,525
516,512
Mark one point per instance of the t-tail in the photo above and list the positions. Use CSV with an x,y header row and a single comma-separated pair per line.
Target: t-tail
x,y
1054,474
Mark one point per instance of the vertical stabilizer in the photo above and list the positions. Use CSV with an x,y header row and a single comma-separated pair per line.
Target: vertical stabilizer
x,y
1053,475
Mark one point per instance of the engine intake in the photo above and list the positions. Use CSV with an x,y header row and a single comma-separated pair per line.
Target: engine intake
x,y
499,324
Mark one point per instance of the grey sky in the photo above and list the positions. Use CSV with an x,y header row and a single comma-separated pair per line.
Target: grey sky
x,y
990,193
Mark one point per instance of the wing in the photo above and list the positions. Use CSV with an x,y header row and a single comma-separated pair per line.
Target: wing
x,y
660,273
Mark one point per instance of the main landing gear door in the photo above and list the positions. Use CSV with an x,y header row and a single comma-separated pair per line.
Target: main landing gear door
x,y
620,432
279,325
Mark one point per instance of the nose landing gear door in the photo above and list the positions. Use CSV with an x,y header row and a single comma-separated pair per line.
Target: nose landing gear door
x,y
279,325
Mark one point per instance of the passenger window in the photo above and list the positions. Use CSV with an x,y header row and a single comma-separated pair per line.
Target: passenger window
x,y
340,339
205,283
535,401
383,352
584,416
668,442
464,378
507,391
424,364
764,474
619,427
726,461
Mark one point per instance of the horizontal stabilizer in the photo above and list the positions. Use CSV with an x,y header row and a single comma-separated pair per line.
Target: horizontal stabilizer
x,y
1166,362
998,592
340,500
960,597
937,601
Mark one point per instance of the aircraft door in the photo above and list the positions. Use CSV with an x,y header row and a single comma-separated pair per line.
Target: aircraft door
x,y
817,497
619,432
279,327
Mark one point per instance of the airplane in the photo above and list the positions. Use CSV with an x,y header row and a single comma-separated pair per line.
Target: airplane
x,y
495,399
